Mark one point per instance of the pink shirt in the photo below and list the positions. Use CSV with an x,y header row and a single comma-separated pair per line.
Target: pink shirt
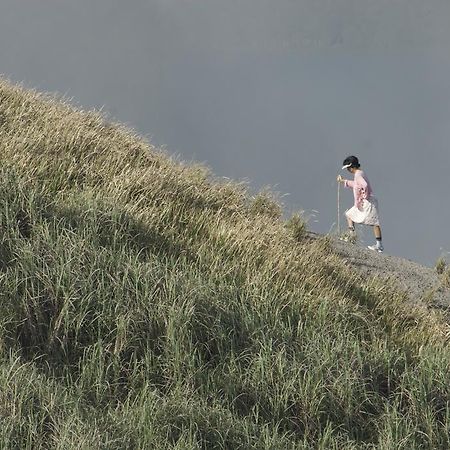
x,y
361,187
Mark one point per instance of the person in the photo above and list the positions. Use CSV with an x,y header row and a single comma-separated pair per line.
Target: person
x,y
365,208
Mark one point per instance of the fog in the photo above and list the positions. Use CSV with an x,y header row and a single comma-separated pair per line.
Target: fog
x,y
274,92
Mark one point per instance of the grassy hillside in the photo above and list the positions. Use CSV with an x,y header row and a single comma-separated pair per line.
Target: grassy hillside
x,y
145,304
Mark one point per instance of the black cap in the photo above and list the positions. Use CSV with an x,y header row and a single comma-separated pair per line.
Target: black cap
x,y
350,161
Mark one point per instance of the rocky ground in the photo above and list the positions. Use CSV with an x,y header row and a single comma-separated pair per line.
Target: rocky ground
x,y
422,284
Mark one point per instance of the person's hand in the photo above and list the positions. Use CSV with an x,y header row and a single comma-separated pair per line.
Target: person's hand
x,y
340,179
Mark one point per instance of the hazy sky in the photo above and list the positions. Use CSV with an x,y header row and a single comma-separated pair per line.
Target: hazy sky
x,y
277,92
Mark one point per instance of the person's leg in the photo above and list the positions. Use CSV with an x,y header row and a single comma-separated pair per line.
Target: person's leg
x,y
350,235
350,223
377,232
379,244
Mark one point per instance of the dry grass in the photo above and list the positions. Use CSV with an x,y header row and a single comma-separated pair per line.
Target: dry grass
x,y
440,266
146,304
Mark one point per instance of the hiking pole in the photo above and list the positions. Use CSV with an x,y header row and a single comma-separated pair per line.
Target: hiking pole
x,y
339,208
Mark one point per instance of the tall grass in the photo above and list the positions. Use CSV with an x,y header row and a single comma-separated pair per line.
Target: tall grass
x,y
146,304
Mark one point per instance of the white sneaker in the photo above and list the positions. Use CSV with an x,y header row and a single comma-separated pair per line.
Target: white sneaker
x,y
376,248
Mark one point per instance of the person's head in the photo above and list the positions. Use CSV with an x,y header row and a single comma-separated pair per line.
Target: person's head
x,y
351,163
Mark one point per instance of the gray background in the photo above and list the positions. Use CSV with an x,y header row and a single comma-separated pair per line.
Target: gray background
x,y
278,92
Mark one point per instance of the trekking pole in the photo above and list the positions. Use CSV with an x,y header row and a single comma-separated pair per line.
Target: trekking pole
x,y
339,208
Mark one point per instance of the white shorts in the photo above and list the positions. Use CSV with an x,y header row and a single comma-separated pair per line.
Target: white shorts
x,y
367,214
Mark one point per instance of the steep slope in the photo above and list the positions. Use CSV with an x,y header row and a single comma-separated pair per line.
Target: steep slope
x,y
421,284
146,304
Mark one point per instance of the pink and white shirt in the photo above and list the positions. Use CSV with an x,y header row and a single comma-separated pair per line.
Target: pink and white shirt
x,y
361,188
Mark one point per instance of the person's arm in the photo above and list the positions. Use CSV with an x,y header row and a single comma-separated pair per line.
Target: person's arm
x,y
359,182
346,183
349,184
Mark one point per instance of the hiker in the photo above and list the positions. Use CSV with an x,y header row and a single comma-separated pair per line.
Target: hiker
x,y
365,209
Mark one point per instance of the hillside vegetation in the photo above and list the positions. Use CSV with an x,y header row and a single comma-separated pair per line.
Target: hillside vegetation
x,y
146,304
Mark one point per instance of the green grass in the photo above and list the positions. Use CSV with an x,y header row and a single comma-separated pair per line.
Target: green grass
x,y
146,304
